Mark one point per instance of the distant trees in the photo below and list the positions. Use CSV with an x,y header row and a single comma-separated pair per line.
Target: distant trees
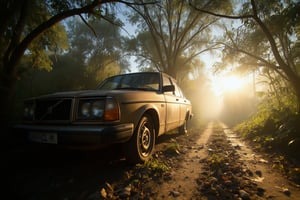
x,y
172,35
103,54
89,60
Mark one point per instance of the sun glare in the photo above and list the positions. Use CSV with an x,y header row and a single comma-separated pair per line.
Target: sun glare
x,y
232,83
221,85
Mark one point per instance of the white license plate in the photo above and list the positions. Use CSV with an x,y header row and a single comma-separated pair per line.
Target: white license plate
x,y
41,137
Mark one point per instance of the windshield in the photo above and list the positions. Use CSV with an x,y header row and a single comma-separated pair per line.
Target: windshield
x,y
135,81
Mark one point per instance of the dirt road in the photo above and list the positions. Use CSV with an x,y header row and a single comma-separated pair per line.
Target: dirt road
x,y
219,165
276,186
212,163
183,183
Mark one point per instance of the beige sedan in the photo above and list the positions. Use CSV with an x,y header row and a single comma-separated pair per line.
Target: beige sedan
x,y
131,109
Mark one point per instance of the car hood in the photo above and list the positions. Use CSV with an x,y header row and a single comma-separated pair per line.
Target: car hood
x,y
86,93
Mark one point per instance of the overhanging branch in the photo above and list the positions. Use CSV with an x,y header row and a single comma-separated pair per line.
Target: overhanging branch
x,y
220,15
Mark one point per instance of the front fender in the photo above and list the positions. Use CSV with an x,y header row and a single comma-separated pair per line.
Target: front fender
x,y
157,115
147,108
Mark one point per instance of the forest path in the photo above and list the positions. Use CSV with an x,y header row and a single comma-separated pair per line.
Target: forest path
x,y
184,177
240,173
266,177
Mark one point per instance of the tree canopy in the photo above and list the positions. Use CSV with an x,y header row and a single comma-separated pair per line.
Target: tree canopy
x,y
89,60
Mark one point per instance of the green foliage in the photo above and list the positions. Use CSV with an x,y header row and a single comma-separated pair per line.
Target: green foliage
x,y
172,148
216,160
102,53
275,127
89,60
154,166
271,108
37,54
265,45
50,43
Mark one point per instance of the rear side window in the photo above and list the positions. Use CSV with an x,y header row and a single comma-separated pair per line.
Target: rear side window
x,y
177,91
167,81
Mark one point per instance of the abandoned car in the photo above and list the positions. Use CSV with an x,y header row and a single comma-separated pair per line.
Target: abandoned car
x,y
131,109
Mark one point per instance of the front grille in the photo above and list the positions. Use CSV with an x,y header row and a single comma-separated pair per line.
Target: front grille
x,y
53,109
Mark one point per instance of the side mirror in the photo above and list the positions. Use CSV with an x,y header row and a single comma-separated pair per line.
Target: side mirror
x,y
169,88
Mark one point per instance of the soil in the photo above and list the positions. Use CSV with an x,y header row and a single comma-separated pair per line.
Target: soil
x,y
208,163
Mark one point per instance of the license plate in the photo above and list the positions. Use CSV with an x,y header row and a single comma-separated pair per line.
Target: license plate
x,y
41,137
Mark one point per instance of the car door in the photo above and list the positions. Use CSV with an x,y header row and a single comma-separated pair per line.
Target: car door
x,y
172,106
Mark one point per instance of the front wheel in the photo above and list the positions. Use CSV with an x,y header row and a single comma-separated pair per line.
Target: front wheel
x,y
141,146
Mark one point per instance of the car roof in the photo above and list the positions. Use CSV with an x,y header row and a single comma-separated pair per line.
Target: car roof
x,y
162,73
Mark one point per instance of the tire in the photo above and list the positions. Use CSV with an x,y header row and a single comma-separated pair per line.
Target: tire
x,y
183,128
142,144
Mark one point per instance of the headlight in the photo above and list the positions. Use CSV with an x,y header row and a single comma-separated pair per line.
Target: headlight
x,y
98,109
85,109
29,110
91,109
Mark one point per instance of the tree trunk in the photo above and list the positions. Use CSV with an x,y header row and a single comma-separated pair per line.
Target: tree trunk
x,y
296,86
7,91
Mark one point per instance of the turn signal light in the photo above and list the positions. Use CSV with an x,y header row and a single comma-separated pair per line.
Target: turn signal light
x,y
111,110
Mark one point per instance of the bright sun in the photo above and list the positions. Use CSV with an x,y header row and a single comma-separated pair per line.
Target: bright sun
x,y
232,83
225,84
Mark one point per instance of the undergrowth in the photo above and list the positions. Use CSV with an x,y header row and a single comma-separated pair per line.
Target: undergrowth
x,y
154,166
172,148
276,131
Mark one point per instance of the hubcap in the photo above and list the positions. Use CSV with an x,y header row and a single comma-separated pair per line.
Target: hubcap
x,y
145,140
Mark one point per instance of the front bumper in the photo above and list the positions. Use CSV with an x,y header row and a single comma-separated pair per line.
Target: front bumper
x,y
75,135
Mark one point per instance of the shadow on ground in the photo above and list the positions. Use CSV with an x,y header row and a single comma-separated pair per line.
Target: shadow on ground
x,y
48,173
60,174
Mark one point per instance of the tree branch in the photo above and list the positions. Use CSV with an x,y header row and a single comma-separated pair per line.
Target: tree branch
x,y
88,25
19,50
220,15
